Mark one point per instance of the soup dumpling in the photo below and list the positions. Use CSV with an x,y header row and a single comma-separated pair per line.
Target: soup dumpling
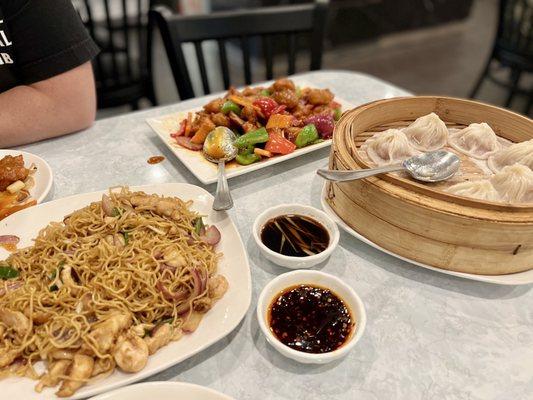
x,y
481,189
521,153
389,147
427,133
476,140
514,183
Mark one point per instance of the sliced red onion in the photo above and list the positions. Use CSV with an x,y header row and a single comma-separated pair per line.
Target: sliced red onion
x,y
324,123
10,286
186,142
166,267
167,294
107,205
183,308
9,239
200,282
212,236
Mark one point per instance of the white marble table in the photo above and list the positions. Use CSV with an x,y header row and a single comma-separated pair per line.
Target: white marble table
x,y
428,336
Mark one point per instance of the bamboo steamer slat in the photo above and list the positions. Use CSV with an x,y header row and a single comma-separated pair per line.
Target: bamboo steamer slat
x,y
421,222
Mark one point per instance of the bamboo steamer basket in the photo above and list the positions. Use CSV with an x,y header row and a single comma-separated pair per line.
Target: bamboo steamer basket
x,y
420,221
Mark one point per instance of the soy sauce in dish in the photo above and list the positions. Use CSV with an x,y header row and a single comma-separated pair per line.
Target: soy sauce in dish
x,y
295,235
310,319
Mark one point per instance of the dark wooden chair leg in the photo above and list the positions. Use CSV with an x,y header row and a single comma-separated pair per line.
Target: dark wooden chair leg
x,y
515,78
527,110
481,78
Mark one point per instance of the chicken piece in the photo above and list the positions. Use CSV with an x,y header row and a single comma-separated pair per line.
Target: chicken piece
x,y
103,365
15,320
130,352
11,170
283,84
104,333
79,372
173,258
61,354
2,331
7,357
140,329
248,113
66,278
192,322
292,133
202,305
217,286
319,96
55,371
236,119
248,127
161,336
161,206
249,91
38,317
220,119
214,106
286,97
302,111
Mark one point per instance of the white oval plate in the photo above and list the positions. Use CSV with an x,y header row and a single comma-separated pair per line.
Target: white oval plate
x,y
163,391
218,322
43,176
520,278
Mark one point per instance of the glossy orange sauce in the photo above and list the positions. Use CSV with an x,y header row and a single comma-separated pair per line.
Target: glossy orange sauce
x,y
7,207
155,159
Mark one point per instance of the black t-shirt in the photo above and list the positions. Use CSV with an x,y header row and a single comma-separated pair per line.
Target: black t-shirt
x,y
40,39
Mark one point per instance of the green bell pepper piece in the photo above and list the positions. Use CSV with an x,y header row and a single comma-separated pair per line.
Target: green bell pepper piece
x,y
306,136
253,137
8,272
337,113
298,91
247,159
229,106
265,92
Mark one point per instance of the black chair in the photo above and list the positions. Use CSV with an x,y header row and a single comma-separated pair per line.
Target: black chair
x,y
240,25
122,71
512,49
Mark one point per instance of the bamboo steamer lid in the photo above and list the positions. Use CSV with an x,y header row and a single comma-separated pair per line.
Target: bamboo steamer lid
x,y
420,221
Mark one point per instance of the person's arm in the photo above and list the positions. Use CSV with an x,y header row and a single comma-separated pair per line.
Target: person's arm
x,y
62,104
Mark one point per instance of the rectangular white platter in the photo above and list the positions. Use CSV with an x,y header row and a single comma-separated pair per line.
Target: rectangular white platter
x,y
206,171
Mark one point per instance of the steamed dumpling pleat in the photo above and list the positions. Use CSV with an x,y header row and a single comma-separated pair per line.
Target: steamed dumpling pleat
x,y
389,147
427,133
518,153
476,140
481,189
514,183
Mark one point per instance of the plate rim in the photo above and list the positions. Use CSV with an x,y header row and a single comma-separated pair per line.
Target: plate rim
x,y
4,152
131,378
170,384
505,279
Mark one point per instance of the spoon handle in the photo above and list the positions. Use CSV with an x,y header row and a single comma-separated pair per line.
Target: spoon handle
x,y
342,176
223,200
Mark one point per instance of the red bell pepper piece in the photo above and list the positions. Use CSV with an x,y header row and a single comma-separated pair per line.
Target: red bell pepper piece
x,y
279,145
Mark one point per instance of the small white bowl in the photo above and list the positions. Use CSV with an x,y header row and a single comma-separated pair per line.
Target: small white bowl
x,y
299,209
317,278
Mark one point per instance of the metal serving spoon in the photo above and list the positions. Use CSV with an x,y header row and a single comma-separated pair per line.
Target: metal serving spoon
x,y
434,166
219,149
